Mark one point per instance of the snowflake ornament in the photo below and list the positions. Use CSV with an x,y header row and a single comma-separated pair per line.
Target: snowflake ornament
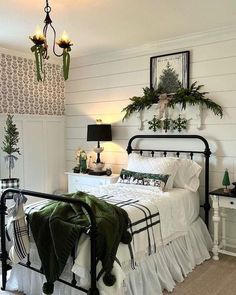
x,y
167,124
155,124
179,124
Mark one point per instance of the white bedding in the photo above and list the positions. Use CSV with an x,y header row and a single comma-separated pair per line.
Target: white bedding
x,y
178,210
178,207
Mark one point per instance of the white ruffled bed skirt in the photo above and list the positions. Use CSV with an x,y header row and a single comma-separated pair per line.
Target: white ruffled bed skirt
x,y
159,271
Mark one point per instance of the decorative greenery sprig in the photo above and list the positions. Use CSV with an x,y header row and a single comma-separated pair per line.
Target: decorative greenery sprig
x,y
193,96
39,51
183,96
10,141
140,103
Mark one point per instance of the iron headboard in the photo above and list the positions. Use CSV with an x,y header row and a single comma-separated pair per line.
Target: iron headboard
x,y
206,152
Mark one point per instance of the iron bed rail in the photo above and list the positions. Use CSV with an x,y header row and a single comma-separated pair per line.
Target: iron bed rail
x,y
206,152
92,232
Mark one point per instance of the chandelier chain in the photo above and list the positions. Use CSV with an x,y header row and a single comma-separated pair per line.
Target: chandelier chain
x,y
47,8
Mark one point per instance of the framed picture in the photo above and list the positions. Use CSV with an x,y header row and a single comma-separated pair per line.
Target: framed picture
x,y
169,72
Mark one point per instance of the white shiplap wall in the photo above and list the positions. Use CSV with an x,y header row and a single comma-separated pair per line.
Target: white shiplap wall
x,y
99,87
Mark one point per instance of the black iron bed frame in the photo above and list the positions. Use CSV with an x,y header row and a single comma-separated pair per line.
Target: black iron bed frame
x,y
93,228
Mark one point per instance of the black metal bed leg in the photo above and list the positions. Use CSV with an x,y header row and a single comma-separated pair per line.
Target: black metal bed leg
x,y
4,270
4,254
207,205
93,291
93,237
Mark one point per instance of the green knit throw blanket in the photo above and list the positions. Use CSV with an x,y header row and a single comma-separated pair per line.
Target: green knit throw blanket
x,y
57,227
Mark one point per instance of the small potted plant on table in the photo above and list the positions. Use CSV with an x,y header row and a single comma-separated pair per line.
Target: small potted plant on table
x,y
226,181
10,141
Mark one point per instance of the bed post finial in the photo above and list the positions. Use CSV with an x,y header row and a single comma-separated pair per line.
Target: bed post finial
x,y
129,147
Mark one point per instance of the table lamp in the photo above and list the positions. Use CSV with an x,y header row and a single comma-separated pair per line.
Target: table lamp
x,y
99,132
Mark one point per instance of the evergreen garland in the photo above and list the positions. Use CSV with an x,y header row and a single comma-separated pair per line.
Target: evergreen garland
x,y
139,103
183,96
193,96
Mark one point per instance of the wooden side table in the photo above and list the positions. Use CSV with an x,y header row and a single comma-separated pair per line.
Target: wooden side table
x,y
221,201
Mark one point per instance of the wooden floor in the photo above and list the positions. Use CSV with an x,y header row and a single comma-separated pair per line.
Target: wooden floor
x,y
209,278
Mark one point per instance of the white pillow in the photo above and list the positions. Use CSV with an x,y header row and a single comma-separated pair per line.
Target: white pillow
x,y
155,165
187,175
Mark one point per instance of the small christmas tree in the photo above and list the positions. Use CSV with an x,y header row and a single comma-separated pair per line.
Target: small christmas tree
x,y
10,142
169,80
226,181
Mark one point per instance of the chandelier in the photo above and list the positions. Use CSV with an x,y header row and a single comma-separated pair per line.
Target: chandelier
x,y
40,48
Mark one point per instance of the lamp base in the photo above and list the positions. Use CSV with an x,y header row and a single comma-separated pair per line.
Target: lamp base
x,y
98,173
98,166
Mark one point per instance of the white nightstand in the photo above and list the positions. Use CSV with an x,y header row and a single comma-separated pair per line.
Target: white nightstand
x,y
220,201
84,182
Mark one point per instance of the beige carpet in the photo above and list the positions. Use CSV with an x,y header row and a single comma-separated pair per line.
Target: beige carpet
x,y
209,278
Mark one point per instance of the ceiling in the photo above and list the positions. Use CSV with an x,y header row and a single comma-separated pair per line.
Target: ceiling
x,y
97,26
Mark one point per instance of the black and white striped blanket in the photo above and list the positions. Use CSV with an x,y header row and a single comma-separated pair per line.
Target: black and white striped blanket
x,y
144,221
156,218
141,206
143,214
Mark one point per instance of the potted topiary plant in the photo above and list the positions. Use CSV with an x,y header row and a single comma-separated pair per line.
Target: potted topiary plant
x,y
10,141
226,181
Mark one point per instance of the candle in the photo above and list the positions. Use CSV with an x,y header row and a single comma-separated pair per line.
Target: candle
x,y
64,41
38,37
64,37
39,34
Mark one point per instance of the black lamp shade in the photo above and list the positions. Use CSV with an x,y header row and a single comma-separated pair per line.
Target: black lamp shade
x,y
99,132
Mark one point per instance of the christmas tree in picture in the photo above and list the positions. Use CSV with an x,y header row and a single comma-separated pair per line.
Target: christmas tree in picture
x,y
226,181
169,80
10,142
